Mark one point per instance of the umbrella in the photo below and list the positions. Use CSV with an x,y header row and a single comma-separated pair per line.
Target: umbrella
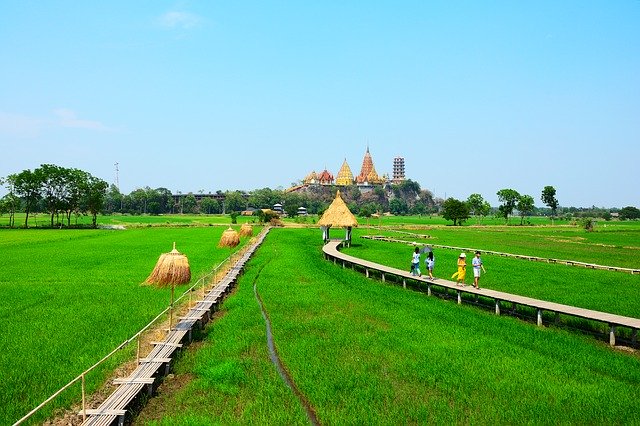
x,y
426,249
172,268
246,230
230,238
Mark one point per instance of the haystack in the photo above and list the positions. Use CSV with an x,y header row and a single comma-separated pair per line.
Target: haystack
x,y
172,268
246,230
230,238
337,215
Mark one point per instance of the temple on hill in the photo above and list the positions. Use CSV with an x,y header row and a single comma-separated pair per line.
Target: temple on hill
x,y
368,176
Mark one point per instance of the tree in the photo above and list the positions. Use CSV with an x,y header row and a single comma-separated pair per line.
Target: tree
x,y
509,198
94,195
26,185
476,205
629,213
398,206
549,199
55,188
210,206
234,201
525,207
189,203
455,210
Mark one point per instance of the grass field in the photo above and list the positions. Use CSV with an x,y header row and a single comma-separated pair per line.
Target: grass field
x,y
70,296
364,352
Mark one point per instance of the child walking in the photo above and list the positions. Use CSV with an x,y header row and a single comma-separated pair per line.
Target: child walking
x,y
415,263
430,261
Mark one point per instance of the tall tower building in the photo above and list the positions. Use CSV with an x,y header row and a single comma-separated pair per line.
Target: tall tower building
x,y
398,170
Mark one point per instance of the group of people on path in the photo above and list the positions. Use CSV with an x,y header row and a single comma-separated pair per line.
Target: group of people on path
x,y
460,275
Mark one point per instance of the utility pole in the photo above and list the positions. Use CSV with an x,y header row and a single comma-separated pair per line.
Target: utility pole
x,y
117,177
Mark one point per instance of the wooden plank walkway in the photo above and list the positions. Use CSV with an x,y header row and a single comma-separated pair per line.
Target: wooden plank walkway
x,y
157,363
331,252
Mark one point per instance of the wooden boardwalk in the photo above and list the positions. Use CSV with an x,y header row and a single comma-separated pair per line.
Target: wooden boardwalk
x,y
157,363
613,321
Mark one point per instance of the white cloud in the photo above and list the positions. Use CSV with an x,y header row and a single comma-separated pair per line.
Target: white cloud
x,y
68,118
180,20
20,126
28,127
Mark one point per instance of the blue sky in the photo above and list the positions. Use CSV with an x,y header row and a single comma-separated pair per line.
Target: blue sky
x,y
195,95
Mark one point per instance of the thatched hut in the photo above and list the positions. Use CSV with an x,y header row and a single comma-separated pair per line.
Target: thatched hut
x,y
337,215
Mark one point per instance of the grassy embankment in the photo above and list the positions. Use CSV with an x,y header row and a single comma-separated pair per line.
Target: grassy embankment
x,y
364,352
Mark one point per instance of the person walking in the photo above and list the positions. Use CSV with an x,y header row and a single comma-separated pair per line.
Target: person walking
x,y
462,269
430,261
477,266
415,263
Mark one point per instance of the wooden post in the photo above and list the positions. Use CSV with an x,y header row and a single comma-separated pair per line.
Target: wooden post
x,y
634,337
497,306
459,297
557,318
383,280
84,402
539,315
612,334
428,289
366,272
343,265
404,283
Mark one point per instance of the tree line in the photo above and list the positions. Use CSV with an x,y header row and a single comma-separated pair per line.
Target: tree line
x,y
63,193
59,191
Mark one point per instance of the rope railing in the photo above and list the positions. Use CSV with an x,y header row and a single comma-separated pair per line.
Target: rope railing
x,y
135,337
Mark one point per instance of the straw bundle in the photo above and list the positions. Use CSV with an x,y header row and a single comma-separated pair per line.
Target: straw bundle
x,y
171,268
230,238
246,230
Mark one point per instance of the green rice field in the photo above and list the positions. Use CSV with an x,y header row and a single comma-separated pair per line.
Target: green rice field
x,y
362,351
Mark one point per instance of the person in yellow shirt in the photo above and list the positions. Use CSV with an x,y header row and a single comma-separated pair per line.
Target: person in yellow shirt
x,y
462,269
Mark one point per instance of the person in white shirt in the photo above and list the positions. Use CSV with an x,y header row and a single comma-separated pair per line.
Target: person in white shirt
x,y
415,262
477,266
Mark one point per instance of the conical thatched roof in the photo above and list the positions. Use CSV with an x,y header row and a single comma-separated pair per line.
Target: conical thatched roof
x,y
246,230
338,214
230,238
171,268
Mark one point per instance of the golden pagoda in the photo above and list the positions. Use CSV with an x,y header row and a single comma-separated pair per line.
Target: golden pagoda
x,y
345,177
368,173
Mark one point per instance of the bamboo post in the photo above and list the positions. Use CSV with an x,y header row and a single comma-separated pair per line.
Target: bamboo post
x,y
171,309
84,401
138,351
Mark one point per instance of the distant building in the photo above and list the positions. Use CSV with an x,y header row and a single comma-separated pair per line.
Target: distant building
x,y
302,211
345,177
278,208
398,170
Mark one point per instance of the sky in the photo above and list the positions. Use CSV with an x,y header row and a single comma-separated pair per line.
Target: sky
x,y
241,95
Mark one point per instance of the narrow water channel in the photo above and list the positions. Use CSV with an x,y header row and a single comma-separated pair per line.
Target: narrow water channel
x,y
284,374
